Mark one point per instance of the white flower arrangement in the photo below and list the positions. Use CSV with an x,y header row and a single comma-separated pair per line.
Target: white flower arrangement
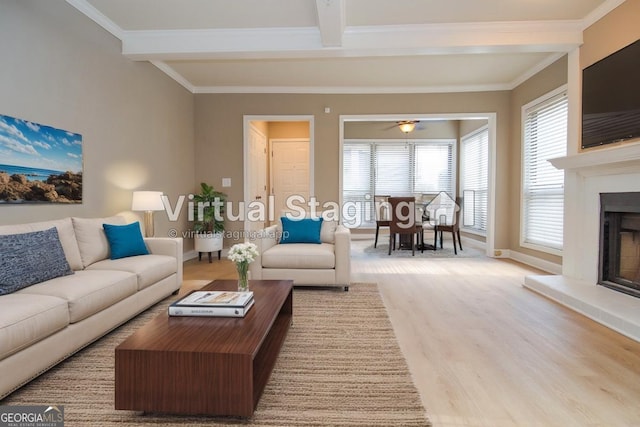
x,y
243,253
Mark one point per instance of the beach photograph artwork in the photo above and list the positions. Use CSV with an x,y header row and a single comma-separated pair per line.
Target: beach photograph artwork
x,y
38,163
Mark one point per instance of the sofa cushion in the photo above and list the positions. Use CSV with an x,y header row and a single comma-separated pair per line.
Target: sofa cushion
x,y
149,269
88,291
299,255
26,319
305,230
92,241
65,233
125,240
30,258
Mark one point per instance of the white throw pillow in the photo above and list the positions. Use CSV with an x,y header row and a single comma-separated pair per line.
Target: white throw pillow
x,y
328,231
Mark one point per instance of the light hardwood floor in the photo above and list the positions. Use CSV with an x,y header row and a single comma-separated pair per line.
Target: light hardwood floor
x,y
484,351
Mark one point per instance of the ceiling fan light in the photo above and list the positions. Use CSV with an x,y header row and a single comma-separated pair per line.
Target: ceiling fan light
x,y
407,127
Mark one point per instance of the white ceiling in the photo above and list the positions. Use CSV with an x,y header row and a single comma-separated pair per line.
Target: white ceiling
x,y
346,46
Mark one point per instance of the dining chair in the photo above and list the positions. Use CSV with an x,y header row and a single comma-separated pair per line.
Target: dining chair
x,y
403,222
451,224
427,224
382,213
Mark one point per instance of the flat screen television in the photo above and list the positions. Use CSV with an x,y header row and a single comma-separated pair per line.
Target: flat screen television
x,y
611,98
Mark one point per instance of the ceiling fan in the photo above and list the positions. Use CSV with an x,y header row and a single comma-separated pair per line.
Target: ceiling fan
x,y
406,126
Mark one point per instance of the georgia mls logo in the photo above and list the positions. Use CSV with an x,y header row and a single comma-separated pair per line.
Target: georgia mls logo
x,y
32,416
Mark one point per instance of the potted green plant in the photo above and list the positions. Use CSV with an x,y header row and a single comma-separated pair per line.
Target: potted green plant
x,y
208,211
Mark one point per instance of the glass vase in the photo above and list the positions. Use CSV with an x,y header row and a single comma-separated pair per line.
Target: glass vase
x,y
243,276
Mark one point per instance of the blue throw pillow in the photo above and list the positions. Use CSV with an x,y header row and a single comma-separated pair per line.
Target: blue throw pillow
x,y
305,230
125,240
30,258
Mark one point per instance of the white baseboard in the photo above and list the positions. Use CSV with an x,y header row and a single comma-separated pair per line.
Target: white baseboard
x,y
193,254
549,267
473,243
189,255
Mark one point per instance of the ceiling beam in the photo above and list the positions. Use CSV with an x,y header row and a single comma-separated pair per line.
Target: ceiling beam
x,y
405,40
331,20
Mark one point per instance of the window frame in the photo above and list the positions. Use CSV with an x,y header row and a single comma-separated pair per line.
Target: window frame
x,y
538,102
450,142
484,128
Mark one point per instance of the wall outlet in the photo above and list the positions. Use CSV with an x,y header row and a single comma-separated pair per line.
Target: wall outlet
x,y
226,182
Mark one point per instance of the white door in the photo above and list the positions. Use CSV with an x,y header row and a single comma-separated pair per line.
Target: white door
x,y
257,177
290,172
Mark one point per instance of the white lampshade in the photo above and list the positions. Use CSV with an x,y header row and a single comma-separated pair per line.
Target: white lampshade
x,y
147,201
407,126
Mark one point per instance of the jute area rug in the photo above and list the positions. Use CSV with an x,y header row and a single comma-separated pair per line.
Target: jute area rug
x,y
339,366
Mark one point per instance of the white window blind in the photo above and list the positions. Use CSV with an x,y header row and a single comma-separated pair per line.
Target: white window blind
x,y
357,176
434,168
474,179
392,169
397,168
545,137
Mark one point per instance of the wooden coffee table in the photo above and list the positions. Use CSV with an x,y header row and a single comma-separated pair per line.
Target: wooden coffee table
x,y
205,365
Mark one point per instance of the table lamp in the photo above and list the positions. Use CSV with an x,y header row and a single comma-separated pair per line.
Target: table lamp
x,y
147,201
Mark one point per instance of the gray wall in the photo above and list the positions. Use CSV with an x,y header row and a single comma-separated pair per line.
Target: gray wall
x,y
219,143
60,69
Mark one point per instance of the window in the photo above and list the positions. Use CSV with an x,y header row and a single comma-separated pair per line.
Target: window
x,y
433,166
357,160
474,181
544,138
393,168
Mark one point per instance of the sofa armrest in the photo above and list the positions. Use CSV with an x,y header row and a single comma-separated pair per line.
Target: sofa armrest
x,y
265,239
169,246
268,238
343,255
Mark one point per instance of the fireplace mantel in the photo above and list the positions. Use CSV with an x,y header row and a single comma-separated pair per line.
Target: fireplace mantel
x,y
622,158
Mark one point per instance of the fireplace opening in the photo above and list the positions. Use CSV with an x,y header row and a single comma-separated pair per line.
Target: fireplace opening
x,y
619,267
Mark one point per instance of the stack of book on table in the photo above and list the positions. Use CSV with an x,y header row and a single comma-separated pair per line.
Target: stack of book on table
x,y
213,303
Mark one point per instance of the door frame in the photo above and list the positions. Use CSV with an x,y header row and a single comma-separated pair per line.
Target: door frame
x,y
247,119
248,183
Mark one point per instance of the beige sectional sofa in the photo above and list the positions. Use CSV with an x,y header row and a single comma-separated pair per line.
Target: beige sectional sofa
x,y
327,263
44,323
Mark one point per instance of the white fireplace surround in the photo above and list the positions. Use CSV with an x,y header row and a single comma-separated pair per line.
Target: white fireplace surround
x,y
587,174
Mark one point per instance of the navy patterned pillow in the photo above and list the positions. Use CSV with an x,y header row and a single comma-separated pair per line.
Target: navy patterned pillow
x,y
30,258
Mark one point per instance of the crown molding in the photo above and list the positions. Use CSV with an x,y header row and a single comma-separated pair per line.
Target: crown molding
x,y
536,69
350,89
169,71
599,12
98,17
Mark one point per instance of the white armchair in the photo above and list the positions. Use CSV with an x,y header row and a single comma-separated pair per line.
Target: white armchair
x,y
325,264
